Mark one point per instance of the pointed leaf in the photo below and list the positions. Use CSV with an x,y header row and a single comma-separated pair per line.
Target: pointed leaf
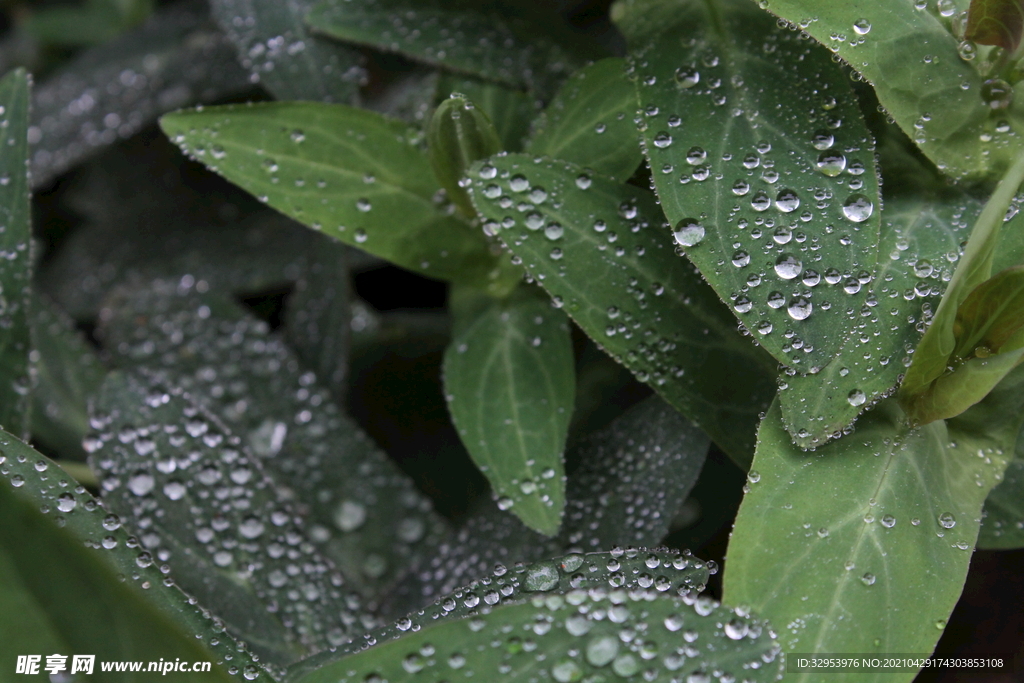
x,y
918,238
16,264
990,315
491,40
925,78
39,483
510,381
634,476
601,249
995,22
69,373
590,121
876,528
373,526
275,46
574,640
381,187
510,110
459,134
175,59
76,590
203,504
772,191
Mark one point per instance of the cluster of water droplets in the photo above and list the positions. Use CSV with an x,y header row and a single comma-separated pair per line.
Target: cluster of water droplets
x,y
201,503
360,509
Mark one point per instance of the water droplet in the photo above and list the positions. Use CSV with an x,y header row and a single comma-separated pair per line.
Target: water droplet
x,y
787,201
687,77
888,521
868,579
822,140
364,204
997,93
736,629
583,181
740,188
601,650
519,183
538,195
566,671
554,231
760,201
66,502
947,520
541,577
858,208
174,490
800,308
141,484
831,163
349,515
361,236
662,140
740,259
856,398
788,266
862,27
689,232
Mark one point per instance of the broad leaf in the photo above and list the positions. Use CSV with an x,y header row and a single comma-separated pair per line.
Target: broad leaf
x,y
459,134
16,261
113,91
633,478
490,40
934,354
1003,523
203,504
995,22
510,383
926,80
577,627
510,110
876,528
771,191
73,589
41,485
68,373
602,251
277,49
374,525
919,237
590,121
292,155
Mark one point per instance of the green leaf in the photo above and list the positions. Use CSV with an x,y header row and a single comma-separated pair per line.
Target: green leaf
x,y
373,526
490,40
938,344
990,315
40,485
16,265
919,234
74,590
68,373
176,59
876,528
562,622
909,53
1003,525
459,134
275,46
772,191
602,251
510,381
220,522
293,155
633,478
510,110
995,22
590,121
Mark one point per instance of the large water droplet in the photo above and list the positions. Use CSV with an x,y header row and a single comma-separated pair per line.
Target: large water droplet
x,y
541,577
997,93
862,27
689,232
856,398
947,520
788,266
687,77
800,308
831,163
858,208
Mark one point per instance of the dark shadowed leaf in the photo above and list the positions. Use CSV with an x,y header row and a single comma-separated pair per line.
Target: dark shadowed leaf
x,y
590,121
509,380
113,91
633,478
771,191
490,40
602,250
995,22
40,484
68,374
203,503
383,193
361,510
277,49
16,264
1003,525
